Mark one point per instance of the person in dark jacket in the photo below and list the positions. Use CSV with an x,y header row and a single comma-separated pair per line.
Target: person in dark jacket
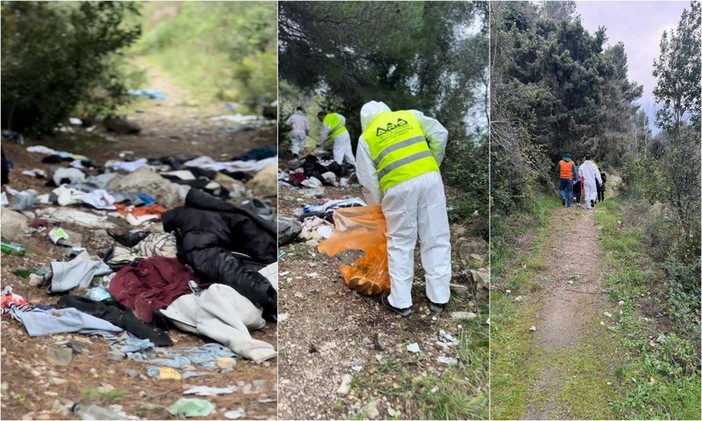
x,y
226,244
601,187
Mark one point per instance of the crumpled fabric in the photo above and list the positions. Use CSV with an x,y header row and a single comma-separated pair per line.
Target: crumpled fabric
x,y
76,273
99,199
224,315
117,314
74,176
208,230
152,284
67,320
160,244
197,356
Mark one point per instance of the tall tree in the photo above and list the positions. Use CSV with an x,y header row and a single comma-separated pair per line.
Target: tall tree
x,y
678,72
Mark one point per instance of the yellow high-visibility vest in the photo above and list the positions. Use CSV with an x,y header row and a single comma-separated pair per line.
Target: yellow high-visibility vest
x,y
335,123
398,148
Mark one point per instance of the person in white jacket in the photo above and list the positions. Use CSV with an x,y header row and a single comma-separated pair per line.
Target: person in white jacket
x,y
300,128
591,177
397,162
334,128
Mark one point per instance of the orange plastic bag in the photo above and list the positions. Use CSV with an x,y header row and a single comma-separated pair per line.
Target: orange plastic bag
x,y
361,228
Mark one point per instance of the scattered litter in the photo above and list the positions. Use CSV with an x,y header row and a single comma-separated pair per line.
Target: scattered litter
x,y
57,234
35,172
621,303
235,414
532,329
413,347
447,338
356,367
191,407
209,391
282,317
463,315
75,121
607,314
447,360
163,373
518,298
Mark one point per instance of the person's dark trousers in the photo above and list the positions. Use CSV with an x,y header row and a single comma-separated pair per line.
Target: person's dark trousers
x,y
567,191
600,193
577,190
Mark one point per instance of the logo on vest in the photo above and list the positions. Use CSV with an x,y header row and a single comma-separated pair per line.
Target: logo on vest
x,y
390,127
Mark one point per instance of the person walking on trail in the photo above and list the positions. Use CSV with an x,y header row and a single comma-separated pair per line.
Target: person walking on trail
x,y
577,185
334,128
591,176
300,128
602,187
567,170
397,162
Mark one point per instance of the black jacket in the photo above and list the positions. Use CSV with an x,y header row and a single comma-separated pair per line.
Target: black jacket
x,y
208,230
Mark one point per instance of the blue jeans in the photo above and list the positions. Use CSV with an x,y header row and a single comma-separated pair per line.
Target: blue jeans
x,y
567,189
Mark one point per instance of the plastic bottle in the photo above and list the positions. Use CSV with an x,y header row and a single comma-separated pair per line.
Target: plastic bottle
x,y
13,248
94,412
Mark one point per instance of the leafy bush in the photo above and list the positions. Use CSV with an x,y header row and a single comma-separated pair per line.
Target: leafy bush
x,y
56,56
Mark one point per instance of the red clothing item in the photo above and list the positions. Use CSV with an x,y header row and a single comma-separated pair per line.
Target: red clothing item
x,y
152,285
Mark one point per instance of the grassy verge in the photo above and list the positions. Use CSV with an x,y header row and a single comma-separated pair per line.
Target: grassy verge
x,y
511,377
662,378
457,392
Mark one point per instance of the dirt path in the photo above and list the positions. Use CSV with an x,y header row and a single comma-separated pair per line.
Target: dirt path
x,y
34,388
331,333
572,297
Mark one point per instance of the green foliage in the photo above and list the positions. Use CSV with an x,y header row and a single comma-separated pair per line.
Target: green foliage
x,y
678,72
427,56
662,377
225,51
60,56
554,88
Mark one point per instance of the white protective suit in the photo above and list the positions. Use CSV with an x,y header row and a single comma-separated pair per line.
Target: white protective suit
x,y
589,172
300,128
415,206
342,144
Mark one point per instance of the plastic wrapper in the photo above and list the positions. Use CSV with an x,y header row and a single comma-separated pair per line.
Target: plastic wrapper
x,y
361,228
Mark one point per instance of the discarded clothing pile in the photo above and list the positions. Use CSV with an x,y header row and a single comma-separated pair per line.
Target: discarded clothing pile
x,y
208,230
326,210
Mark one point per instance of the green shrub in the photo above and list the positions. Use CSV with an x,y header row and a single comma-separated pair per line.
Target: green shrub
x,y
57,55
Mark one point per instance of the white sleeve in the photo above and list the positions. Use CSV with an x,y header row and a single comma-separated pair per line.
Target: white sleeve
x,y
323,133
343,119
436,134
367,174
289,120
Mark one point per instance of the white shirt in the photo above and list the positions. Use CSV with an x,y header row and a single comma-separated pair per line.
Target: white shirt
x,y
298,122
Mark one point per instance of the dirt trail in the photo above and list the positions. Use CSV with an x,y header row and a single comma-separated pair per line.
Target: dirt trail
x,y
572,297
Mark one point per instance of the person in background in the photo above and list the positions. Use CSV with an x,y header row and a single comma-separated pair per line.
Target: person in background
x,y
397,162
601,187
591,176
300,128
566,170
577,185
334,128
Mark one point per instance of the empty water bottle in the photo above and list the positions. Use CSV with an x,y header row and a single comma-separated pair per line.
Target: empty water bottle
x,y
94,412
13,248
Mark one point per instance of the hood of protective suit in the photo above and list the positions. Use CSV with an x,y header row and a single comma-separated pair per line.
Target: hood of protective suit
x,y
370,110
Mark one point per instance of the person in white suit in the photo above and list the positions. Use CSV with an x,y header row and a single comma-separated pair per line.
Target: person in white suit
x,y
397,162
591,177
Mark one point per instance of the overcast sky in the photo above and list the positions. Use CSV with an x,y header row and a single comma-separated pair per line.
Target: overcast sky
x,y
639,25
